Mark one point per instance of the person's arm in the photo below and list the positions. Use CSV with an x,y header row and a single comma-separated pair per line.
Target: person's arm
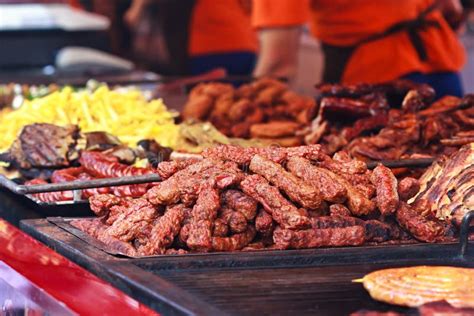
x,y
134,13
278,55
279,28
453,12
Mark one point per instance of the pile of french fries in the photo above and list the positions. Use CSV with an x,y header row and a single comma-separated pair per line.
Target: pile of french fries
x,y
126,114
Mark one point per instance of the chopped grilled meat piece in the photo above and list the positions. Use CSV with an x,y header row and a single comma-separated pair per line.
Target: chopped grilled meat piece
x,y
101,204
407,188
168,168
203,214
241,202
129,225
264,223
243,156
98,230
377,231
184,234
331,191
325,222
423,227
447,186
220,229
313,238
43,145
387,189
185,184
234,219
175,251
164,231
297,190
358,204
339,210
282,211
234,242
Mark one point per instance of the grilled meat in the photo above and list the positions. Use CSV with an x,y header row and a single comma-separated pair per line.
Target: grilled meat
x,y
448,186
42,145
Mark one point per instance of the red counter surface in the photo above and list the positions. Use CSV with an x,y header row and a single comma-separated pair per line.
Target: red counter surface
x,y
36,279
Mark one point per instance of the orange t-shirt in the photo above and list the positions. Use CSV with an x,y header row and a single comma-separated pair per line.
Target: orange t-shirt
x,y
220,26
345,22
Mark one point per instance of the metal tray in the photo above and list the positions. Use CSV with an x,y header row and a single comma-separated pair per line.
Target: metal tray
x,y
366,250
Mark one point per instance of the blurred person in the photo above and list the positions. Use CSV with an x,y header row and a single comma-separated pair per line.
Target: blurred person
x,y
365,40
196,36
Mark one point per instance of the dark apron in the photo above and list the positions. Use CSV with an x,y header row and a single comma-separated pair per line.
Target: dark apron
x,y
161,39
337,57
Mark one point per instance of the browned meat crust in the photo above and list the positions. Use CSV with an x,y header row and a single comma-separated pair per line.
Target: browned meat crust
x,y
241,202
264,223
339,210
329,189
235,220
96,229
282,211
128,225
184,185
234,242
387,189
220,229
422,227
203,214
314,238
407,188
164,231
243,156
296,189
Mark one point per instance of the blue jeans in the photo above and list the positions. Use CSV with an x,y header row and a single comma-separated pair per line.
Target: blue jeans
x,y
237,63
444,83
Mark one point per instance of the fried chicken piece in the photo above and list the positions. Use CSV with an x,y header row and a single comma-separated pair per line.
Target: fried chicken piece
x,y
329,189
198,107
164,231
314,238
407,188
95,228
339,210
239,109
235,242
387,189
241,202
264,223
203,215
297,190
282,211
243,156
424,228
129,224
235,220
274,129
